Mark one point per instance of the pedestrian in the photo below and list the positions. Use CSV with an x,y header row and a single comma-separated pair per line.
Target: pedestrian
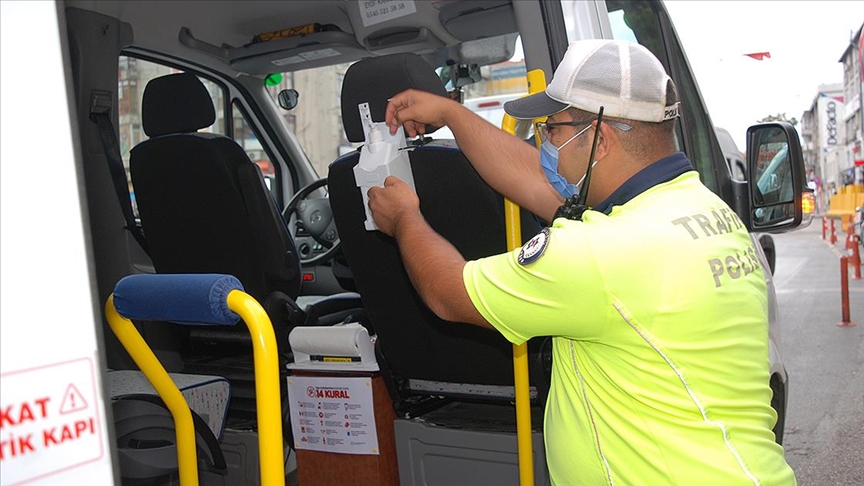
x,y
654,297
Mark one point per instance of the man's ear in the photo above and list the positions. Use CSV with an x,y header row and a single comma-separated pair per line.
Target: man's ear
x,y
607,141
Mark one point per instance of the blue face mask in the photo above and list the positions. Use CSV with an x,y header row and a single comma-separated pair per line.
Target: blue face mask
x,y
549,162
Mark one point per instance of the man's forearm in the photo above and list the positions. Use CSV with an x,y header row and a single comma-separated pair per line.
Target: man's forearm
x,y
435,268
509,165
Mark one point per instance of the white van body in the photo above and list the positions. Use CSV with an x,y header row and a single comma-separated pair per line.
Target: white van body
x,y
51,354
734,156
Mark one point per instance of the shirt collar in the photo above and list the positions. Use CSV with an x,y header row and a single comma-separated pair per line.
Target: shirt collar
x,y
663,170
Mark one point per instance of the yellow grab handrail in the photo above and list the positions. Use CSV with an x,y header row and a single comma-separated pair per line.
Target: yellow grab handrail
x,y
267,393
267,397
536,83
142,355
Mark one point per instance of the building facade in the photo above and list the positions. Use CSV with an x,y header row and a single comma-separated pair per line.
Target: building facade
x,y
832,129
823,134
853,119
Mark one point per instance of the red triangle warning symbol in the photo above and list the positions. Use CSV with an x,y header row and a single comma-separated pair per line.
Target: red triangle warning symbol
x,y
73,400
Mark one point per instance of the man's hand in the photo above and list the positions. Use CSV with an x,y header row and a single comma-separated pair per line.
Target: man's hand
x,y
391,203
415,109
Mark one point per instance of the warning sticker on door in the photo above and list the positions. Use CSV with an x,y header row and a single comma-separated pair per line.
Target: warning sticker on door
x,y
333,414
48,420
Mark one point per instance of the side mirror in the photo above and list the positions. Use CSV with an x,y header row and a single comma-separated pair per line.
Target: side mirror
x,y
288,98
775,166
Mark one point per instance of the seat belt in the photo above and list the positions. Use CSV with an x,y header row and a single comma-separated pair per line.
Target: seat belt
x,y
100,113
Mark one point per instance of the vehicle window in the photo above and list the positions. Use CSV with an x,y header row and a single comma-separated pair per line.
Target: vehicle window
x,y
640,22
637,22
245,136
494,85
491,109
628,18
498,84
133,76
316,121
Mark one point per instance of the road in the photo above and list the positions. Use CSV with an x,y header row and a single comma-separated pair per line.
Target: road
x,y
824,439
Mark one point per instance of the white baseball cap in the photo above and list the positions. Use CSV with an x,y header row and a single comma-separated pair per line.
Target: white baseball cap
x,y
623,77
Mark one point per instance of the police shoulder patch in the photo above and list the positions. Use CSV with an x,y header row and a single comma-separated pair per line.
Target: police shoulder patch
x,y
534,248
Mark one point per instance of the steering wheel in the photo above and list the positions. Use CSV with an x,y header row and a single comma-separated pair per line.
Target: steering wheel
x,y
316,217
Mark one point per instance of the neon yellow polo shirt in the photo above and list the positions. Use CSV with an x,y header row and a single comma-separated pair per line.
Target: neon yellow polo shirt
x,y
660,350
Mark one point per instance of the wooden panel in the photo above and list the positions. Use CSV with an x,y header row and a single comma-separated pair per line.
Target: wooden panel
x,y
316,468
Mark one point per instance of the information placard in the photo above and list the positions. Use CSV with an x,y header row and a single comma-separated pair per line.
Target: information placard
x,y
332,414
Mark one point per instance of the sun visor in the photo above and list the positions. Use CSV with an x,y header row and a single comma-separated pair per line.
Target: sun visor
x,y
478,19
272,53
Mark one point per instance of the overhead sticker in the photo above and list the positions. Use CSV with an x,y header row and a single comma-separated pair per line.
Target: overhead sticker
x,y
535,247
376,11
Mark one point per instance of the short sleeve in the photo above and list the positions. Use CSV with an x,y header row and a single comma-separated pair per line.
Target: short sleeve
x,y
552,286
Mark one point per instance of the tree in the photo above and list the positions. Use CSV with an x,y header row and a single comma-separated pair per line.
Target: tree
x,y
779,117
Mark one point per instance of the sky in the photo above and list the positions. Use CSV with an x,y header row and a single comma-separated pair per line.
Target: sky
x,y
805,39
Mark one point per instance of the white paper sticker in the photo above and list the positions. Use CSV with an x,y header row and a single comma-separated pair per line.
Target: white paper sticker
x,y
307,56
288,60
333,414
376,11
319,54
49,421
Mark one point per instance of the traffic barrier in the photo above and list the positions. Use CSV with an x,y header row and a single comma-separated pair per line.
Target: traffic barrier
x,y
824,226
852,251
833,238
855,257
844,293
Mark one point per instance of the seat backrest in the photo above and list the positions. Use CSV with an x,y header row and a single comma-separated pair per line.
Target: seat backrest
x,y
456,202
203,204
205,208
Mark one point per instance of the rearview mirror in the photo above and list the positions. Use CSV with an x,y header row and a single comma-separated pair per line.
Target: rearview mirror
x,y
460,75
776,177
288,98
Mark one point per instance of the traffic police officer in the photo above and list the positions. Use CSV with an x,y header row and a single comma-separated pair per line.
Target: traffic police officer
x,y
655,298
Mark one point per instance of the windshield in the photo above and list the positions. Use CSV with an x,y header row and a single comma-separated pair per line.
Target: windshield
x,y
316,121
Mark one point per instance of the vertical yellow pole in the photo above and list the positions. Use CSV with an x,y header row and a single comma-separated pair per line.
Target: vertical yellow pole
x,y
268,401
536,83
187,455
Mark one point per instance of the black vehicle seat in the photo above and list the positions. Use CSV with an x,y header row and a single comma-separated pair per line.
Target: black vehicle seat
x,y
423,353
205,208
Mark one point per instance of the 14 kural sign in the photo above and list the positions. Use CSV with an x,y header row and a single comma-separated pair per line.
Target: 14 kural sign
x,y
332,414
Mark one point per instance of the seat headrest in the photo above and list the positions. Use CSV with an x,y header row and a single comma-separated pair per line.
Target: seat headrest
x,y
176,103
377,79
